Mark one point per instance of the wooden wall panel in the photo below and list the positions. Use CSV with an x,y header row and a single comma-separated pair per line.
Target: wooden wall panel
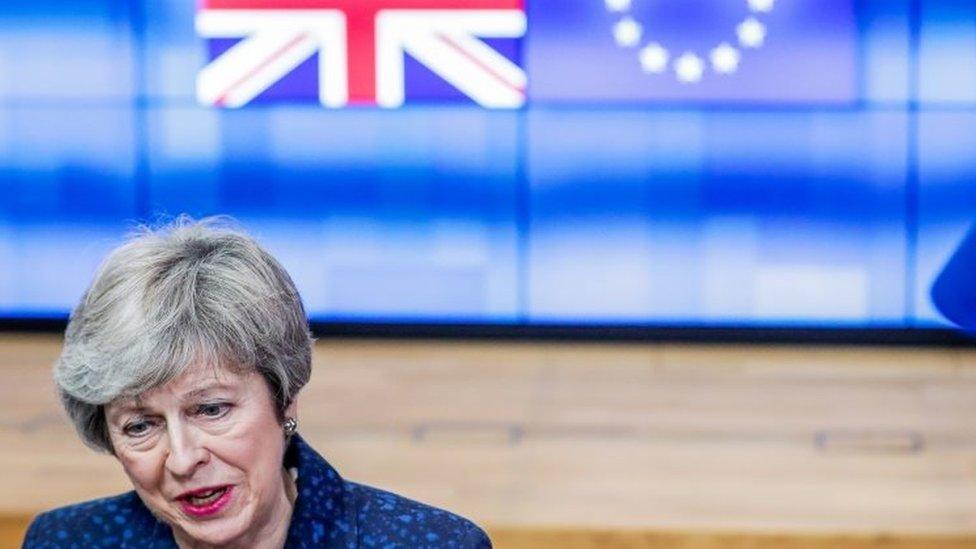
x,y
556,444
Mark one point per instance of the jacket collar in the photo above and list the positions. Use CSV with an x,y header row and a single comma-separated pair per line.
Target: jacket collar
x,y
322,517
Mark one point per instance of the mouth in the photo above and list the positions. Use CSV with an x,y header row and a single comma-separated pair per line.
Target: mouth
x,y
205,501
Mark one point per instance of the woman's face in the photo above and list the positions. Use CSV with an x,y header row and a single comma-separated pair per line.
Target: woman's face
x,y
204,452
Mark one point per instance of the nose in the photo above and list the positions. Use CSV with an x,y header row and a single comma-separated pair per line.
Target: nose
x,y
186,453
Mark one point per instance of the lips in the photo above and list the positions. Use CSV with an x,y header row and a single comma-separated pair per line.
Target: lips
x,y
205,501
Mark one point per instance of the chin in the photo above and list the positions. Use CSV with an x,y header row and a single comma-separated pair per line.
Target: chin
x,y
230,526
219,532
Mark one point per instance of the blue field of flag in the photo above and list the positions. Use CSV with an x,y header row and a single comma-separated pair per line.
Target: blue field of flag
x,y
752,51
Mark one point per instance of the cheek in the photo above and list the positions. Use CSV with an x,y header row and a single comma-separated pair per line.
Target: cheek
x,y
144,470
258,458
253,444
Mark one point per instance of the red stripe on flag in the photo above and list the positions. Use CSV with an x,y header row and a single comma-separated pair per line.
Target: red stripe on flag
x,y
362,5
361,49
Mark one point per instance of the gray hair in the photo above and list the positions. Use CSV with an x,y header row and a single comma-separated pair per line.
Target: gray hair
x,y
191,292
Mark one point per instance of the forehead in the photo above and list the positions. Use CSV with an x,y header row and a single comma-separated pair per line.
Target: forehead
x,y
197,379
199,375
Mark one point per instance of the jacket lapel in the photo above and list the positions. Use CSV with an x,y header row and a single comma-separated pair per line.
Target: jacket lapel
x,y
322,516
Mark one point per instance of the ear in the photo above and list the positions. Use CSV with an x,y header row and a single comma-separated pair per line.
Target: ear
x,y
292,409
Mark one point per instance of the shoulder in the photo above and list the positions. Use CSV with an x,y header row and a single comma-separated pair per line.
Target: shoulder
x,y
117,521
362,516
385,519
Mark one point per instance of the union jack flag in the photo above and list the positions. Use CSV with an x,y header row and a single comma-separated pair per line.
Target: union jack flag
x,y
362,49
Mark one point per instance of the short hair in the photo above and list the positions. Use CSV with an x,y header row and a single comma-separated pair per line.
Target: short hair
x,y
187,293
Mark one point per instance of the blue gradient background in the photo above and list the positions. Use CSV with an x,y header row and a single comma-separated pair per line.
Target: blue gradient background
x,y
593,207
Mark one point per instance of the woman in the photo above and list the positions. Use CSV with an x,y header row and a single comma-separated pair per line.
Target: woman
x,y
184,360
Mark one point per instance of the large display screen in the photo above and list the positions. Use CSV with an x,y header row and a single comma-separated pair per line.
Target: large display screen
x,y
731,163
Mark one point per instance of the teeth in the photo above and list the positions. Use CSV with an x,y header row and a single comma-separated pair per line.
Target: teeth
x,y
206,497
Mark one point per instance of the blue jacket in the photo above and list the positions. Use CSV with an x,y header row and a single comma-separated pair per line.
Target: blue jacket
x,y
329,512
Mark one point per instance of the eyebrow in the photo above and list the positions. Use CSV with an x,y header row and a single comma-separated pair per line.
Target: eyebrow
x,y
135,405
131,406
196,393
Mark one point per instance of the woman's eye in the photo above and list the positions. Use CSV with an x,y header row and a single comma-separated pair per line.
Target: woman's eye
x,y
212,410
137,429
